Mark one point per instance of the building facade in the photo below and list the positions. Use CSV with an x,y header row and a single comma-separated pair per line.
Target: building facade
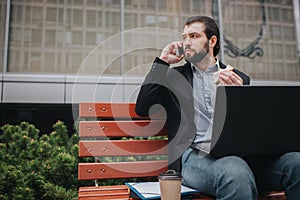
x,y
61,52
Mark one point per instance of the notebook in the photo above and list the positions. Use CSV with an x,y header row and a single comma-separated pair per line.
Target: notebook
x,y
256,120
151,190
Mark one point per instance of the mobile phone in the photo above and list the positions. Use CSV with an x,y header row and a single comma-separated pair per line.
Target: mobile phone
x,y
180,51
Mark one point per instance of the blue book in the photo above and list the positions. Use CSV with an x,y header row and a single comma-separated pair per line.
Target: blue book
x,y
151,190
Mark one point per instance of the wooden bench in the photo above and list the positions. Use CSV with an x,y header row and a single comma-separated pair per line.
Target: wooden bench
x,y
123,145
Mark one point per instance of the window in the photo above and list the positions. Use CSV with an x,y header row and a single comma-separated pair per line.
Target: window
x,y
56,35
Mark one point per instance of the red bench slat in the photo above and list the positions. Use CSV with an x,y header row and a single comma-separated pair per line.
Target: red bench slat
x,y
122,148
143,128
90,171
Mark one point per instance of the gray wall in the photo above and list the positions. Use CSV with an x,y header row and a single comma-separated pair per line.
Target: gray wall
x,y
61,89
40,88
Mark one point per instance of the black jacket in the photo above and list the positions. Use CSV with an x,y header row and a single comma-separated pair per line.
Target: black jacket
x,y
172,88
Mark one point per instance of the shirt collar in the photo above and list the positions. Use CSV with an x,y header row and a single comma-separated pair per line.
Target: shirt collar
x,y
213,68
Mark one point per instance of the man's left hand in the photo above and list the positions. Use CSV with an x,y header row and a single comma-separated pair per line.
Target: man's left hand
x,y
228,77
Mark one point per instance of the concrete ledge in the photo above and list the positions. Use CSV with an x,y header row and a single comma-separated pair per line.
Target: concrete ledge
x,y
275,82
34,78
62,89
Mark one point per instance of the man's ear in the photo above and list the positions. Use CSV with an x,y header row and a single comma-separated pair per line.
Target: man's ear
x,y
213,41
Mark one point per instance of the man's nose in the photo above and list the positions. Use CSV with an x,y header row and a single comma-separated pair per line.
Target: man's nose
x,y
187,43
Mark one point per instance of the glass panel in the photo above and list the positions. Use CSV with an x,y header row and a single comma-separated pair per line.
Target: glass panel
x,y
2,31
275,32
35,61
49,61
90,38
91,18
56,33
151,4
91,3
287,15
290,51
36,37
50,37
62,33
77,38
37,13
99,19
274,14
270,28
51,15
77,17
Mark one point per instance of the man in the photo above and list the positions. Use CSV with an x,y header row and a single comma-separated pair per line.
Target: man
x,y
187,94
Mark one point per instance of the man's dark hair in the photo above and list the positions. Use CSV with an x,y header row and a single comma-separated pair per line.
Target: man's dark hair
x,y
211,29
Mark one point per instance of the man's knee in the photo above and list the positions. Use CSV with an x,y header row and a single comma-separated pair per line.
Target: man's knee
x,y
292,163
235,169
237,177
291,170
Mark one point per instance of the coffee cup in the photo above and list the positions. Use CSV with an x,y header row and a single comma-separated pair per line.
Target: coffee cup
x,y
170,185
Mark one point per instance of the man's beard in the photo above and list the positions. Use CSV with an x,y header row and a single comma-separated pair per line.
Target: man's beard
x,y
197,57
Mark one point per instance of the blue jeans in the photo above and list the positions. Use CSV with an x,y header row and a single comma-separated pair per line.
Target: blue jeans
x,y
235,178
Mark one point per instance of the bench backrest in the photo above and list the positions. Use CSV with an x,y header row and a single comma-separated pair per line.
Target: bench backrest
x,y
123,144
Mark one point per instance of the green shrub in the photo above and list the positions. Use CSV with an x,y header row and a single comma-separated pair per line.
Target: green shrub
x,y
38,167
34,166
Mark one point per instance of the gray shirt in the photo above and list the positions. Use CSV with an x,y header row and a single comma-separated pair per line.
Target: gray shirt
x,y
204,92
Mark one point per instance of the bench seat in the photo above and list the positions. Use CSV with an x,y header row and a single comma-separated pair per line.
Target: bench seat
x,y
123,145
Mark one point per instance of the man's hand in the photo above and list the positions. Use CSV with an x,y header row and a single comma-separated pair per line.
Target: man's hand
x,y
228,77
170,53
